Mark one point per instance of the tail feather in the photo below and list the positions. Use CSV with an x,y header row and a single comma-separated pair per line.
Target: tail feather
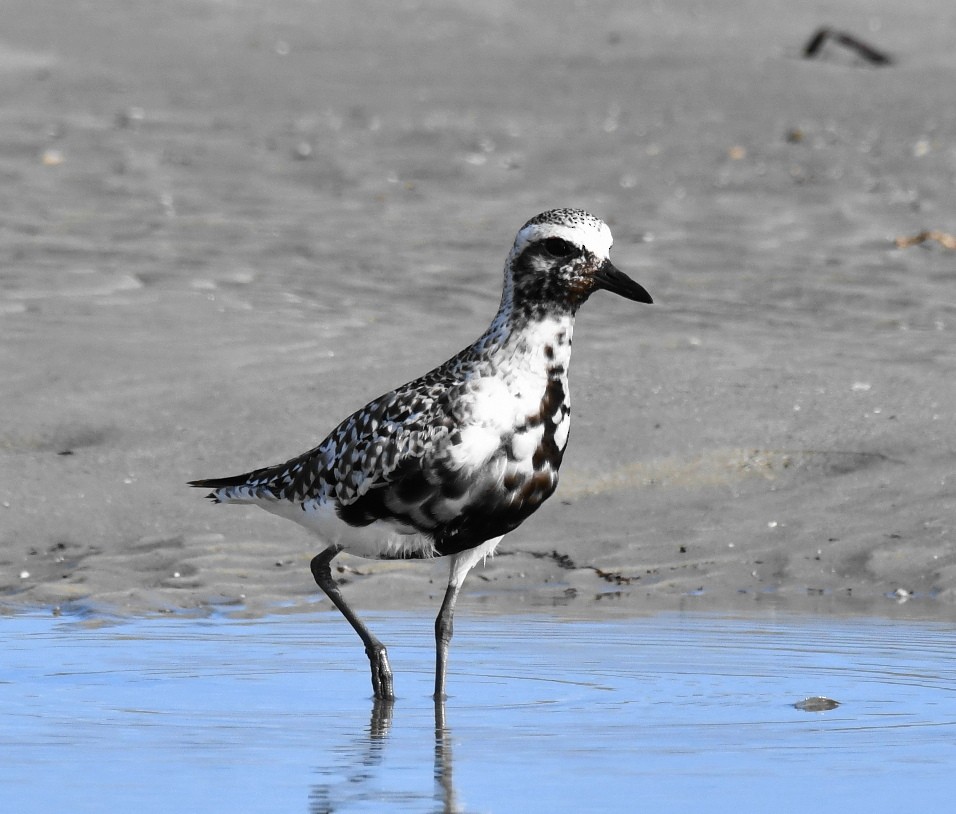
x,y
222,483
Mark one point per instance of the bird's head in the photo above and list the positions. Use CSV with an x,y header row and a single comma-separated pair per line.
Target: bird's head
x,y
560,258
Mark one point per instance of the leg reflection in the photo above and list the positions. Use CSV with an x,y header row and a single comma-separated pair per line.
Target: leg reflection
x,y
381,722
444,781
363,770
355,774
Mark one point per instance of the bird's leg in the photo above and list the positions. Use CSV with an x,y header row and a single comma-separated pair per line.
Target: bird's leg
x,y
444,627
382,685
461,564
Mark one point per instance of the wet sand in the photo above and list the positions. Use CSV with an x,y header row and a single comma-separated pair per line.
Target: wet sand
x,y
227,225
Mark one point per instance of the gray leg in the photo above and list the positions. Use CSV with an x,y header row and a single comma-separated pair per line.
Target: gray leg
x,y
377,655
460,565
444,627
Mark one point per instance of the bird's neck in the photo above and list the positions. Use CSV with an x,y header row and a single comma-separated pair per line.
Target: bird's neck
x,y
538,343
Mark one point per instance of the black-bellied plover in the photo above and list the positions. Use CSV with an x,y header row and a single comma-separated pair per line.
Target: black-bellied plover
x,y
446,465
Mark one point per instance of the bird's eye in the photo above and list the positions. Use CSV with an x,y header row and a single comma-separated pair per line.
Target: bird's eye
x,y
557,247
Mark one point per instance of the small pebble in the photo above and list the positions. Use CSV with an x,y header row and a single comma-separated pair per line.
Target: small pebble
x,y
816,703
130,117
51,158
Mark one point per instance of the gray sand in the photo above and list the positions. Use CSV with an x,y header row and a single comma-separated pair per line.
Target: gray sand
x,y
227,225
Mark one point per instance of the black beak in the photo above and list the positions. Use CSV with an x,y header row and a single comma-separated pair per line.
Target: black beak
x,y
611,279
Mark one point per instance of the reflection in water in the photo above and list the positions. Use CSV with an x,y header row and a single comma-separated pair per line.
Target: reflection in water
x,y
445,790
381,722
365,757
361,760
679,711
695,697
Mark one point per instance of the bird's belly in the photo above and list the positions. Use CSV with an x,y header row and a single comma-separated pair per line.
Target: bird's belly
x,y
381,539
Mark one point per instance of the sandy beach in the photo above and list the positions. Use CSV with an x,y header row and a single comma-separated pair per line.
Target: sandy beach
x,y
226,225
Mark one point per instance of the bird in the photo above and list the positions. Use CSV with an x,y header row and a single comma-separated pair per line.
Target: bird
x,y
449,463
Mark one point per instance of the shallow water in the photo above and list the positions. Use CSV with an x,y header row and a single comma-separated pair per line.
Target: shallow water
x,y
663,712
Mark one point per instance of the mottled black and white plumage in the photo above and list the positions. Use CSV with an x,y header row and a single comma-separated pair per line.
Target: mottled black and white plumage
x,y
450,462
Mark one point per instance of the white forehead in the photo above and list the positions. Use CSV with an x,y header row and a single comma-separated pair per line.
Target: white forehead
x,y
574,225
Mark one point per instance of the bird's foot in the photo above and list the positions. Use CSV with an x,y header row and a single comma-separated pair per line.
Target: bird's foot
x,y
382,684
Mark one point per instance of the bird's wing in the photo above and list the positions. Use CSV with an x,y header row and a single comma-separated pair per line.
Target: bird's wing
x,y
413,458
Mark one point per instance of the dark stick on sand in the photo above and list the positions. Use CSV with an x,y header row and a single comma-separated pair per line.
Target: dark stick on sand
x,y
866,52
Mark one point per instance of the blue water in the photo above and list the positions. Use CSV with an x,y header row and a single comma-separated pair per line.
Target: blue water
x,y
662,713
